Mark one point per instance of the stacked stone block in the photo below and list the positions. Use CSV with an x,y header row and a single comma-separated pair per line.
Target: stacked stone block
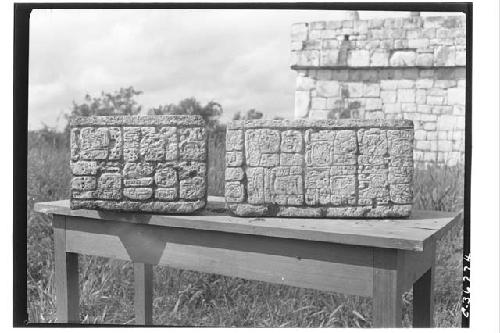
x,y
403,68
153,164
394,42
333,168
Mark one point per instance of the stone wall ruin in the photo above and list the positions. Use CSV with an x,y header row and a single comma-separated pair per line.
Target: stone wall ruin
x,y
398,68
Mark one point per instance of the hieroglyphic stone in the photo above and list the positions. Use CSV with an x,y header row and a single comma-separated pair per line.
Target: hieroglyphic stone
x,y
319,153
255,185
235,192
291,141
167,194
190,169
325,168
152,144
192,144
291,159
259,142
94,143
131,139
109,186
139,163
84,168
192,188
115,143
138,193
234,158
234,140
83,183
165,175
234,174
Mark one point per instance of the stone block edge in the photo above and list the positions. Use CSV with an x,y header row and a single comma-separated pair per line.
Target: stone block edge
x,y
327,124
147,207
167,120
356,212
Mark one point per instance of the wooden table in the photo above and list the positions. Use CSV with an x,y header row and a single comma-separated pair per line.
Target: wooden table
x,y
374,258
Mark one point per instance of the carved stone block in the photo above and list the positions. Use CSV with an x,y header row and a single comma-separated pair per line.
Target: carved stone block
x,y
327,168
154,164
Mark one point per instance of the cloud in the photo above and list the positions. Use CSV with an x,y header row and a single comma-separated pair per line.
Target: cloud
x,y
239,58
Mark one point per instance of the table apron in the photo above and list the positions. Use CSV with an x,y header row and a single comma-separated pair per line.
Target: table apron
x,y
307,264
347,269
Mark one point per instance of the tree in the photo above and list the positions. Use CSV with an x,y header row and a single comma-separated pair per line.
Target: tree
x,y
122,102
250,114
119,102
210,112
109,104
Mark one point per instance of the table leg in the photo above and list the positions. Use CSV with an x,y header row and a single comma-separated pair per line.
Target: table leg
x,y
66,276
423,300
143,297
387,289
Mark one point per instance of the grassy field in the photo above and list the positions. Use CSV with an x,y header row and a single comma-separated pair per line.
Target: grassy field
x,y
184,298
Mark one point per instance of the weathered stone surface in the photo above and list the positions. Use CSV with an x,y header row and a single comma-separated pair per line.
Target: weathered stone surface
x,y
192,145
150,164
380,58
167,194
165,175
193,188
180,207
94,143
109,186
403,58
234,158
137,121
81,168
299,212
370,43
394,68
83,183
249,210
306,58
131,140
329,55
235,192
138,193
358,58
353,167
424,59
234,140
138,182
190,169
302,103
234,174
327,88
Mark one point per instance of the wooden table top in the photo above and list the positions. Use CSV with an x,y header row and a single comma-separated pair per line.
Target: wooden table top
x,y
405,234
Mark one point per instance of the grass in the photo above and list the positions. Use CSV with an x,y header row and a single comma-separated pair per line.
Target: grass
x,y
185,298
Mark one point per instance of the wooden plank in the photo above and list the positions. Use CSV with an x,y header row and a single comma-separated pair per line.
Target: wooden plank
x,y
406,234
66,276
423,297
387,289
415,264
143,293
316,265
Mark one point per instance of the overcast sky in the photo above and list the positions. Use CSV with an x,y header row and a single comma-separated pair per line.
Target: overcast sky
x,y
239,58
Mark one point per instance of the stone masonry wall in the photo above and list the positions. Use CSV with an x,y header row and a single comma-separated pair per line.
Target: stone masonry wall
x,y
403,68
334,168
130,163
